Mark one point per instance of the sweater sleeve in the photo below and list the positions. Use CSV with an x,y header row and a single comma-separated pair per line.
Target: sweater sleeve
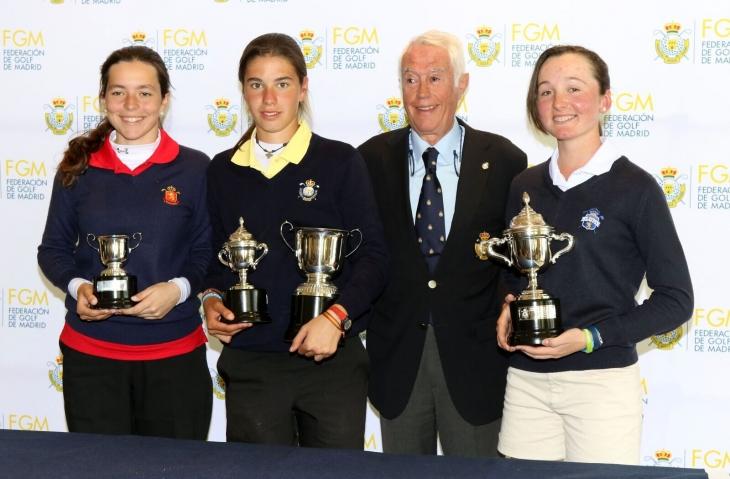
x,y
200,240
370,261
60,238
667,274
217,275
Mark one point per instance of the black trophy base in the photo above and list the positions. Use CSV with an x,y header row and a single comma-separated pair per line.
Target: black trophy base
x,y
248,305
305,308
114,292
534,320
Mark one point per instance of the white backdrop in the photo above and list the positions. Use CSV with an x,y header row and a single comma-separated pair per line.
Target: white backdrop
x,y
669,63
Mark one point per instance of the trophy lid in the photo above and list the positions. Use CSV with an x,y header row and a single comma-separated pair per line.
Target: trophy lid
x,y
241,235
527,217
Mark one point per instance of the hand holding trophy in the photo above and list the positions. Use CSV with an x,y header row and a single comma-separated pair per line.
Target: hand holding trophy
x,y
247,302
535,314
113,287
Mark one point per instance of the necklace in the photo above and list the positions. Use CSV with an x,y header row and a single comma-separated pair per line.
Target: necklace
x,y
270,153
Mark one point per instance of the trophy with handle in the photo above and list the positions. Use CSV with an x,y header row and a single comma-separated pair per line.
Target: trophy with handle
x,y
535,314
247,302
320,255
113,287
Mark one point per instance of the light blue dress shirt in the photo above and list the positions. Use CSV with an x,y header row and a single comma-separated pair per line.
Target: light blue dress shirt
x,y
447,169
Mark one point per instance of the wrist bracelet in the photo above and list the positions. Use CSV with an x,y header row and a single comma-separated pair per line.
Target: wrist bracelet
x,y
596,336
338,311
335,322
589,341
211,293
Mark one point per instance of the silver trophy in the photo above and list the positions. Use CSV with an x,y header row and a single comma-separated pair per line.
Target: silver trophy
x,y
319,253
247,302
113,287
535,314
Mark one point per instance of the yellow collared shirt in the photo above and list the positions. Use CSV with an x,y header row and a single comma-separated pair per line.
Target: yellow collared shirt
x,y
293,152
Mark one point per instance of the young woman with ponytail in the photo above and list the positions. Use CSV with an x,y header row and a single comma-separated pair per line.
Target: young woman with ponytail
x,y
141,369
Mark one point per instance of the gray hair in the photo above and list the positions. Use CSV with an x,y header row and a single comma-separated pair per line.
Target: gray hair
x,y
448,41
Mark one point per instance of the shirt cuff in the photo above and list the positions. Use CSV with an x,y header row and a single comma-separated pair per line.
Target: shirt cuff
x,y
184,286
73,286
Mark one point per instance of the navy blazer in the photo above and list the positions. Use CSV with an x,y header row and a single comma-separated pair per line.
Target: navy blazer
x,y
465,302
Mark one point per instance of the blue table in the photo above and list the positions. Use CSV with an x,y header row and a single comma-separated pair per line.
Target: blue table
x,y
58,455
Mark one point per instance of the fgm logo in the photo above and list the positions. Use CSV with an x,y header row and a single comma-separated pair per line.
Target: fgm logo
x,y
55,373
672,185
139,39
392,116
223,117
219,385
667,341
483,49
663,458
311,48
672,44
59,116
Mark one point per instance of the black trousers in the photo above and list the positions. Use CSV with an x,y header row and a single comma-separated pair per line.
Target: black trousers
x,y
283,398
170,397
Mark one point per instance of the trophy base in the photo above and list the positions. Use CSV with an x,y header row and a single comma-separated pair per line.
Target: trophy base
x,y
114,292
305,308
248,305
534,320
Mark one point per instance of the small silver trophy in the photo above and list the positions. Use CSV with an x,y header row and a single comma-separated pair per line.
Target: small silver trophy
x,y
535,314
113,287
319,253
247,302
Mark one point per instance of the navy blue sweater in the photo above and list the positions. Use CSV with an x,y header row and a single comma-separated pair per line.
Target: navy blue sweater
x,y
344,200
175,240
596,281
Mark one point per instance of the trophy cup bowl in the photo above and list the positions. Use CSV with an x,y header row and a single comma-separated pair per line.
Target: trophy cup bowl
x,y
320,254
113,287
535,314
247,302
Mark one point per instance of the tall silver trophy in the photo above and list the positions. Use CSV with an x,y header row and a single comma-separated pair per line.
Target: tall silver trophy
x,y
247,302
113,287
320,255
535,314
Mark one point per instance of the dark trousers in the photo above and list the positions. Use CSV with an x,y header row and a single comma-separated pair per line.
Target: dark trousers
x,y
430,415
283,398
170,397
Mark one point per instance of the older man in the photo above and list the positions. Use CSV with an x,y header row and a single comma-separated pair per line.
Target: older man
x,y
435,369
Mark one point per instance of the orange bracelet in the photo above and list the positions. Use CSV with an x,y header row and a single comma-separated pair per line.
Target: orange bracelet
x,y
335,322
338,311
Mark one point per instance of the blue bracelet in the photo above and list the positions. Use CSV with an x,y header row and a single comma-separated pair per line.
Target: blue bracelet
x,y
597,339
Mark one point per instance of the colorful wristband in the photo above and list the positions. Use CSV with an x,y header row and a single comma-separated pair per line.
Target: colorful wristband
x,y
596,336
589,341
338,311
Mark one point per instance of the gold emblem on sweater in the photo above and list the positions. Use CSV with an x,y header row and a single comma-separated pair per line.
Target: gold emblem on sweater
x,y
308,190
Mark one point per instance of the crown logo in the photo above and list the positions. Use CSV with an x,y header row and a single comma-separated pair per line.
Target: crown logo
x,y
139,37
310,183
393,102
669,172
222,103
663,455
58,102
672,27
306,35
484,31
